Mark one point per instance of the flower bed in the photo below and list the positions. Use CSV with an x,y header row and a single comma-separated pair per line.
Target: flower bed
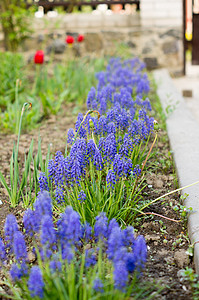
x,y
89,252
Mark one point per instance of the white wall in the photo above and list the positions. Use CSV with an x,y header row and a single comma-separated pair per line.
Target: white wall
x,y
161,12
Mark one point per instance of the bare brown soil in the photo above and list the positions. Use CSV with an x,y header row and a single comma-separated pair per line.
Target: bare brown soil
x,y
167,240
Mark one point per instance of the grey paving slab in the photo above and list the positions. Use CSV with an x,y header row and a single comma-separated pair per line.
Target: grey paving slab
x,y
183,132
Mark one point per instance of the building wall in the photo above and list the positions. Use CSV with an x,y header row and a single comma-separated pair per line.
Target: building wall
x,y
161,12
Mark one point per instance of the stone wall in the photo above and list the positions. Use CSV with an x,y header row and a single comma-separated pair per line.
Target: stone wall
x,y
159,46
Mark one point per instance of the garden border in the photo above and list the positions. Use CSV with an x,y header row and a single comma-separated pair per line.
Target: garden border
x,y
183,132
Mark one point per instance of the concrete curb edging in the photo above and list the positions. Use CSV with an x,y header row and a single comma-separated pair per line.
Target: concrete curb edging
x,y
183,132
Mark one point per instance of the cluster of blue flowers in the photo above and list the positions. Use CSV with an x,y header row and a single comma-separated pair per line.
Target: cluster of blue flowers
x,y
60,243
106,141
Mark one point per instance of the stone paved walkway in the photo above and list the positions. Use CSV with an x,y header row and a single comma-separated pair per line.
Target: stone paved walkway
x,y
190,82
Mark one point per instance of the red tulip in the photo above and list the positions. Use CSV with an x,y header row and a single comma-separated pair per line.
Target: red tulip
x,y
70,39
39,57
80,38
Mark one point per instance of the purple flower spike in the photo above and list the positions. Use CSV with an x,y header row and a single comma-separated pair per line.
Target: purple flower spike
x,y
118,165
110,147
115,242
10,228
55,265
31,222
86,232
81,197
98,285
98,162
90,259
101,226
136,171
20,249
35,282
90,98
43,182
15,273
2,250
67,252
90,151
120,275
112,224
140,252
130,262
70,136
111,179
47,235
127,146
128,236
43,205
69,226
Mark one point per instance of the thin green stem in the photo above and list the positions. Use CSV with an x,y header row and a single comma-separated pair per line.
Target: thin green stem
x,y
17,105
20,123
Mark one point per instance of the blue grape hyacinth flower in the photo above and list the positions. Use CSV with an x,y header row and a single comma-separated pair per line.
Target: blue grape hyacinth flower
x,y
35,282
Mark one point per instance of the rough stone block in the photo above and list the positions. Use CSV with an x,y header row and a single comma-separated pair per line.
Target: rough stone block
x,y
93,42
57,46
131,44
146,50
170,47
151,63
176,33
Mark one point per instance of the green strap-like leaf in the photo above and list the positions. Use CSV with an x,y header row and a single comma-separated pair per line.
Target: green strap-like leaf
x,y
3,182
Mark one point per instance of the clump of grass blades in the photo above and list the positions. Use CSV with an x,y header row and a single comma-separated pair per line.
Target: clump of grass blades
x,y
23,184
